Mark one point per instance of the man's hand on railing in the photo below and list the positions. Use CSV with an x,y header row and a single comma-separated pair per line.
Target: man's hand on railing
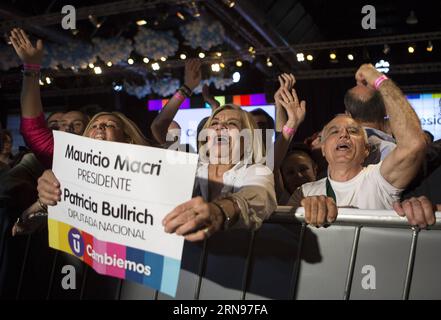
x,y
418,211
319,210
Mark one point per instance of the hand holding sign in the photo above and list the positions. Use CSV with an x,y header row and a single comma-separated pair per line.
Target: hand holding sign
x,y
195,219
49,191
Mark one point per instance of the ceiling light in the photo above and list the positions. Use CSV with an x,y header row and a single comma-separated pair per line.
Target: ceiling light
x,y
183,56
180,15
91,66
215,67
411,49
429,47
382,66
48,80
97,70
130,61
41,82
236,77
201,55
155,66
163,59
219,54
229,3
239,63
222,65
109,63
309,57
333,56
412,19
300,57
145,60
141,22
350,57
268,62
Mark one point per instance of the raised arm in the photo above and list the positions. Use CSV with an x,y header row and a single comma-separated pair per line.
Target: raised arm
x,y
286,81
402,164
165,117
208,98
30,55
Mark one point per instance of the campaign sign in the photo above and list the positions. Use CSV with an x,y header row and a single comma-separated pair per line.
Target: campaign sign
x,y
113,199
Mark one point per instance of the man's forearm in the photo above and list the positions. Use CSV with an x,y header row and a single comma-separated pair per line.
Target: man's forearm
x,y
30,98
404,122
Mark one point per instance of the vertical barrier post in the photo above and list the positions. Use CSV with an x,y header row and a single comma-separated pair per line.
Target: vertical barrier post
x,y
202,264
296,267
23,267
52,275
352,260
410,263
248,264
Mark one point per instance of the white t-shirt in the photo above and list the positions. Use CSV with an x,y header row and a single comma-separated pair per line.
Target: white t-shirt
x,y
367,190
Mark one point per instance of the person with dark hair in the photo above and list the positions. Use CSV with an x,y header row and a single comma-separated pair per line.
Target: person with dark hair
x,y
366,105
6,156
429,136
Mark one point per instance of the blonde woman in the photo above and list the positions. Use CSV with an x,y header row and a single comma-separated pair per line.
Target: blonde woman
x,y
109,126
233,187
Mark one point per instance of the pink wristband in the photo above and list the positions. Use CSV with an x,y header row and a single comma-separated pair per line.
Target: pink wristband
x,y
179,95
289,131
31,66
379,81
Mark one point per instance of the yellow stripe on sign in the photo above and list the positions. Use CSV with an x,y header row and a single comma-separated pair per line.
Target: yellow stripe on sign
x,y
436,95
54,241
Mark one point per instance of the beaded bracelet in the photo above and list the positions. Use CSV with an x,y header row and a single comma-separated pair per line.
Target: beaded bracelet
x,y
289,131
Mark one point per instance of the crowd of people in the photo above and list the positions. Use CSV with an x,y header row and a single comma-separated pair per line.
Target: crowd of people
x,y
362,159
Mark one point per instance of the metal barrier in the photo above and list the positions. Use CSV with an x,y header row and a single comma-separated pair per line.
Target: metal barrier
x,y
363,255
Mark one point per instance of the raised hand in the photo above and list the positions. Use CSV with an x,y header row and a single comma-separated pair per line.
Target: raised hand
x,y
287,81
295,109
209,98
24,48
367,74
192,73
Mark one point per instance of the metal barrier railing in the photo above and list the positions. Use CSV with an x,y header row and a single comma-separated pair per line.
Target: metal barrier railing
x,y
284,215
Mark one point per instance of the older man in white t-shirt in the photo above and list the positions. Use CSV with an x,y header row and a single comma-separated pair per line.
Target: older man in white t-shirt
x,y
345,147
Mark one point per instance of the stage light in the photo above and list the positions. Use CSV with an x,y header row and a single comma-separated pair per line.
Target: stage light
x,y
109,63
130,61
163,59
350,57
183,56
411,49
91,65
145,60
155,66
386,49
218,54
332,56
117,87
48,80
229,3
222,65
236,77
309,57
141,22
97,70
201,55
382,66
41,82
239,63
412,19
429,47
180,15
300,57
215,67
268,62
94,21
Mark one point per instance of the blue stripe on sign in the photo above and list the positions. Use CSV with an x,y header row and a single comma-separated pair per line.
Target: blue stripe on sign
x,y
170,276
155,262
134,271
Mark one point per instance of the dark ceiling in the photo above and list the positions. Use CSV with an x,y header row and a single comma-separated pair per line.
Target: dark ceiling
x,y
270,26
